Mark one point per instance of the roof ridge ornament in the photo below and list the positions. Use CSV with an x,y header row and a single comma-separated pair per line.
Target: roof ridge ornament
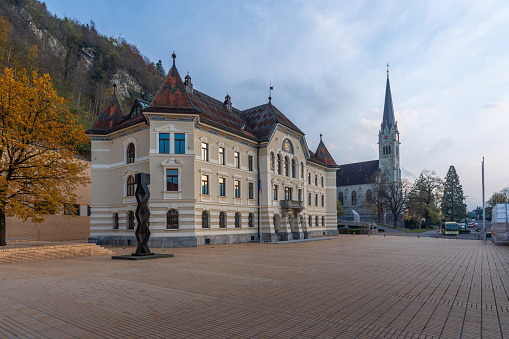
x,y
271,88
388,70
174,56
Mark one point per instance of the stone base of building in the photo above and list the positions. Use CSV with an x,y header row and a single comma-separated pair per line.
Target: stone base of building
x,y
209,239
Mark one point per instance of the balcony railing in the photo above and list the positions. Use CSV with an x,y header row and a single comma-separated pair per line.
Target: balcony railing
x,y
292,204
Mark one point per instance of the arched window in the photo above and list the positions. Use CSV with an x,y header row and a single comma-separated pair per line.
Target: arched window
x,y
115,221
340,198
287,169
310,221
293,169
130,153
323,221
130,220
272,161
130,186
237,219
222,219
369,195
204,219
250,220
316,220
279,164
302,170
354,198
172,219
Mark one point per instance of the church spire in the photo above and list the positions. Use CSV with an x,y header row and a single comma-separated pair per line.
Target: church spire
x,y
388,118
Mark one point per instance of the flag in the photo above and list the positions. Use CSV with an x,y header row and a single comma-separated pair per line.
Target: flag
x,y
260,185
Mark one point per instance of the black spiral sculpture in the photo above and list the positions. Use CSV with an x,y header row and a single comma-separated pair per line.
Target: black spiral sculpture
x,y
142,193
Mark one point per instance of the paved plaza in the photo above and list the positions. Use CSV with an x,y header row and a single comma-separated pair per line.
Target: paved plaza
x,y
346,287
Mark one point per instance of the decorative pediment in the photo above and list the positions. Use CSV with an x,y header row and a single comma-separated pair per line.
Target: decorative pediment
x,y
171,162
237,149
129,171
276,180
250,153
250,179
222,144
129,140
288,182
300,185
170,128
205,139
223,174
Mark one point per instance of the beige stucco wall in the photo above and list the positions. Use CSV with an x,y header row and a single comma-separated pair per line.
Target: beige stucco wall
x,y
109,172
55,227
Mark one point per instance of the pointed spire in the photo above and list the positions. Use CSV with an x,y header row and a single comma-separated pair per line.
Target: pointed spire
x,y
388,117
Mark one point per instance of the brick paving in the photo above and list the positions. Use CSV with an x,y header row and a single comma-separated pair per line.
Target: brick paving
x,y
347,287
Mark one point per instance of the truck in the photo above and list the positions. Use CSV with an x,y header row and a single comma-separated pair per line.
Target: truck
x,y
500,224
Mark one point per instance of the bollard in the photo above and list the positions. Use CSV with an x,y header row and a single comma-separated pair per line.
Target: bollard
x,y
418,235
384,234
456,236
437,235
354,234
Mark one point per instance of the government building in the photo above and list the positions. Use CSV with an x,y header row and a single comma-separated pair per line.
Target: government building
x,y
356,182
218,174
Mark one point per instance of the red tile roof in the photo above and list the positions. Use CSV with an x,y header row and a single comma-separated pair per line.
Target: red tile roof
x,y
323,154
110,116
172,95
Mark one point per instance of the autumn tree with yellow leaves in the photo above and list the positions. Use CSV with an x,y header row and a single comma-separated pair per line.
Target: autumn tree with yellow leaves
x,y
38,140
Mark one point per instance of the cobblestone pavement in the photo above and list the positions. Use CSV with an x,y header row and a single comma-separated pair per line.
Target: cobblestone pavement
x,y
347,287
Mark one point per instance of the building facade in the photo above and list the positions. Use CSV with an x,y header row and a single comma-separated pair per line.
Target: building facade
x,y
357,182
217,174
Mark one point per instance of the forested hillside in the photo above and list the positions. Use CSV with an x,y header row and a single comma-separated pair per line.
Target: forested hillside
x,y
82,63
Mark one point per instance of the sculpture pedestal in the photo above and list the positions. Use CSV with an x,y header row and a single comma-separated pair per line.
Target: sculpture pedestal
x,y
135,256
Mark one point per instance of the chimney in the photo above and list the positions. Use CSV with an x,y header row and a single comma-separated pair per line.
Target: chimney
x,y
188,85
228,102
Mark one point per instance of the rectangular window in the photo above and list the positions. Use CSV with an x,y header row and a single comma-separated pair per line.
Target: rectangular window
x,y
323,200
237,189
251,190
300,195
204,184
204,151
180,143
316,199
222,187
309,178
250,162
164,143
172,180
288,193
222,159
237,159
316,180
71,209
309,199
322,181
276,189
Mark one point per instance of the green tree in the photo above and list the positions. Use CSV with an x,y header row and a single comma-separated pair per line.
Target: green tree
x,y
424,199
340,209
453,206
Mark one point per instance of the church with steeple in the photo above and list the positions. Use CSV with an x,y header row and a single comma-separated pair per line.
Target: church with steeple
x,y
356,182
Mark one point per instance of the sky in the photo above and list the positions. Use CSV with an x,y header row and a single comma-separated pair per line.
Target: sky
x,y
449,70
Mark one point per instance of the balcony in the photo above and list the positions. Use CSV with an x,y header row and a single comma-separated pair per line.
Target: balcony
x,y
294,204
